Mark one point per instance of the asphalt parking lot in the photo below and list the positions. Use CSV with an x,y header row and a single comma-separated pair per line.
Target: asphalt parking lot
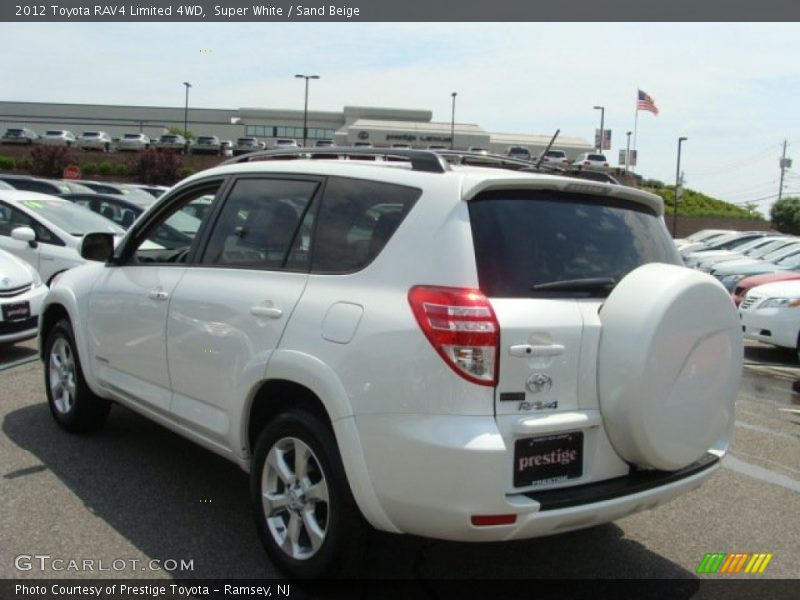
x,y
136,492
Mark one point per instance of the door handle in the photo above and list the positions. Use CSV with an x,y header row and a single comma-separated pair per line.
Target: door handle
x,y
157,294
268,311
536,350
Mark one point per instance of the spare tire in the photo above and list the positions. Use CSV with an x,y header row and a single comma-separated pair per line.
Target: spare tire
x,y
669,366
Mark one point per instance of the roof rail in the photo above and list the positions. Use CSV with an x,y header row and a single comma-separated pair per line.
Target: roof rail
x,y
421,160
482,159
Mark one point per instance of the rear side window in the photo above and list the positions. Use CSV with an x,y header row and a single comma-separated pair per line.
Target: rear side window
x,y
356,220
527,239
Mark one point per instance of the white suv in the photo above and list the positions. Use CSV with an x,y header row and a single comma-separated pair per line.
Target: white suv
x,y
462,353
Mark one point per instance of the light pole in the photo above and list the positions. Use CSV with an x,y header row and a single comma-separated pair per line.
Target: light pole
x,y
305,106
602,110
453,122
628,151
677,187
186,108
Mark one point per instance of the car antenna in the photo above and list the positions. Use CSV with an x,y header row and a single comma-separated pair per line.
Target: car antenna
x,y
546,150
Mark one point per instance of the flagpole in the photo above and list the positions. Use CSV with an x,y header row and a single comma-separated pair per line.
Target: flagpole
x,y
635,129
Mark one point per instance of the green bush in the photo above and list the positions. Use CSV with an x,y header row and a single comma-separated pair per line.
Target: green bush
x,y
120,170
186,171
105,168
7,163
89,168
23,164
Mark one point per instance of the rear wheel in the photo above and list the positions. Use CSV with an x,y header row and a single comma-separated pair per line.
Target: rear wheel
x,y
306,516
73,405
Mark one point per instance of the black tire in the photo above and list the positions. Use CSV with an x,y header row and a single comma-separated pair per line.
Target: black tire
x,y
73,405
342,532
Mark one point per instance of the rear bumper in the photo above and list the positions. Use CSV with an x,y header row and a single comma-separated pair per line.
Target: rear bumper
x,y
432,473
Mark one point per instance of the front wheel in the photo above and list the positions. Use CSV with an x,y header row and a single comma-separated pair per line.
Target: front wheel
x,y
305,513
73,405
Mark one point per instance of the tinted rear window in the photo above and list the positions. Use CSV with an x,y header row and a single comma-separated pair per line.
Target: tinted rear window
x,y
525,239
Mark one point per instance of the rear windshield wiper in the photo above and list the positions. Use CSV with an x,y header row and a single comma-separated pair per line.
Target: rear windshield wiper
x,y
586,285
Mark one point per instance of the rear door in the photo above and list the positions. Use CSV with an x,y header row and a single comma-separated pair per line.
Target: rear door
x,y
229,311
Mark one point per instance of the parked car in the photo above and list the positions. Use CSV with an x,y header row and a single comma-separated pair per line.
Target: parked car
x,y
122,210
478,149
226,147
724,242
172,142
702,236
408,346
58,137
362,145
206,144
133,142
406,146
771,314
732,272
555,157
21,295
285,143
591,160
45,231
438,147
745,284
94,140
324,144
34,184
153,190
19,135
119,189
520,152
247,144
756,248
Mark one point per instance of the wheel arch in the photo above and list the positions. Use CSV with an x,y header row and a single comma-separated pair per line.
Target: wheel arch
x,y
323,395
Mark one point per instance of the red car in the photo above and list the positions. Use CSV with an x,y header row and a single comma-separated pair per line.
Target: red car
x,y
750,282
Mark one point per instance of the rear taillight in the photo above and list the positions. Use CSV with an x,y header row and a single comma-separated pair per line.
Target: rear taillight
x,y
586,162
462,327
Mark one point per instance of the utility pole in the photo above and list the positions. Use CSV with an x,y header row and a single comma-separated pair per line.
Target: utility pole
x,y
785,163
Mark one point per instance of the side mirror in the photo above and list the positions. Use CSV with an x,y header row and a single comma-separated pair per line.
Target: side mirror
x,y
97,246
24,234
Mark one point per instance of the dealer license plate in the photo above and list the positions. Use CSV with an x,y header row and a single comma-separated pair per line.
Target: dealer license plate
x,y
18,311
548,459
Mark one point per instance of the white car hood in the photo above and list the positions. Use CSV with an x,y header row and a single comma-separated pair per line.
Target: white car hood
x,y
777,289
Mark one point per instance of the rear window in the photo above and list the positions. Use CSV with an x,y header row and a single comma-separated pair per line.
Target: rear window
x,y
132,136
15,131
598,157
555,154
532,238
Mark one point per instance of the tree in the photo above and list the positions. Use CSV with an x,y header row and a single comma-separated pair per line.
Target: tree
x,y
186,133
785,214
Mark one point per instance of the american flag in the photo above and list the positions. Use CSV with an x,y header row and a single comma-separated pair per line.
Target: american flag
x,y
646,103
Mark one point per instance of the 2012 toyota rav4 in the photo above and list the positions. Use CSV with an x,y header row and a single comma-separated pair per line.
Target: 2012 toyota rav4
x,y
457,352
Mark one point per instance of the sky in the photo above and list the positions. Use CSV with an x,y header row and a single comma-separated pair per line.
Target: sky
x,y
732,89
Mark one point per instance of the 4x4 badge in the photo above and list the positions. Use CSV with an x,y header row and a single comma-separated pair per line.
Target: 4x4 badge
x,y
539,382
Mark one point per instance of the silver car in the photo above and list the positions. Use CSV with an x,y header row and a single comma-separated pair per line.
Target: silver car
x,y
19,135
58,137
172,141
133,142
94,140
206,144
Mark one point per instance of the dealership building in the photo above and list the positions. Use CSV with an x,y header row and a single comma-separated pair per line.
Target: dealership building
x,y
379,126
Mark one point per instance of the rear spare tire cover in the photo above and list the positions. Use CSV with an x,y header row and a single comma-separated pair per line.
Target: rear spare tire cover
x,y
669,366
